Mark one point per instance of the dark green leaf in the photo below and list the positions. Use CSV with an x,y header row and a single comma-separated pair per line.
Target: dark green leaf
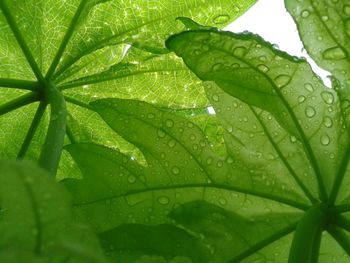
x,y
162,240
36,221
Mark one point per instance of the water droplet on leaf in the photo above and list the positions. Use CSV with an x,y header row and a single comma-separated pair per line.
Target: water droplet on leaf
x,y
163,200
282,80
310,112
327,122
263,68
175,170
221,19
215,97
327,97
240,51
169,123
305,14
309,87
325,140
335,53
131,179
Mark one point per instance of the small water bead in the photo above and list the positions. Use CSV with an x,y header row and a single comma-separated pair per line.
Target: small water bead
x,y
240,51
282,80
325,140
171,143
236,8
310,112
150,116
263,68
293,139
334,53
345,104
305,14
131,179
175,170
161,134
309,87
327,121
222,201
229,160
169,123
229,128
219,164
163,200
301,99
221,19
217,67
215,97
209,160
327,97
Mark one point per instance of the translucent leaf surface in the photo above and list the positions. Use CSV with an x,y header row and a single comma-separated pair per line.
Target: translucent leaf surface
x,y
180,167
163,240
249,69
279,121
91,49
36,221
230,236
324,27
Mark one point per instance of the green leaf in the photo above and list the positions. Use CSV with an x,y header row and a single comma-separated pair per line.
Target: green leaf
x,y
36,221
163,240
169,142
250,69
327,41
230,235
324,27
91,49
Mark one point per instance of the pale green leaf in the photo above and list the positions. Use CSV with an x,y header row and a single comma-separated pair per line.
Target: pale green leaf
x,y
83,47
251,70
324,27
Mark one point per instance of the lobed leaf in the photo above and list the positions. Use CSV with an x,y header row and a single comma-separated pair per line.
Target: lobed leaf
x,y
36,221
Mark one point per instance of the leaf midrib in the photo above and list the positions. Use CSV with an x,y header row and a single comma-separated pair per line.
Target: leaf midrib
x,y
278,199
308,148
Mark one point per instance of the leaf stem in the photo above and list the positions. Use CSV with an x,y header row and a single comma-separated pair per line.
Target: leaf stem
x,y
19,84
18,103
340,176
309,151
341,208
342,239
283,159
32,129
342,221
79,103
307,237
66,39
256,247
22,43
70,134
52,148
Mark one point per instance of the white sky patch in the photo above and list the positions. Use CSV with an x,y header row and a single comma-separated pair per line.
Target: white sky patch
x,y
270,20
211,110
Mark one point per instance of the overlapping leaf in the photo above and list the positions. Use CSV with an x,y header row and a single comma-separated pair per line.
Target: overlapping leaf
x,y
96,49
181,167
276,83
282,124
36,222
